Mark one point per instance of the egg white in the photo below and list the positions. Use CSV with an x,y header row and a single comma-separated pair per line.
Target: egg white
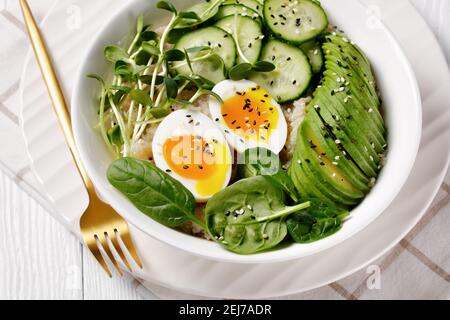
x,y
183,123
227,89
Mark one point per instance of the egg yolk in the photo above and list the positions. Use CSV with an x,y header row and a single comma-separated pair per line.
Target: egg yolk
x,y
250,114
193,158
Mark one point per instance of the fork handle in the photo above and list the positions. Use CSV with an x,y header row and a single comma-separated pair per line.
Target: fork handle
x,y
53,87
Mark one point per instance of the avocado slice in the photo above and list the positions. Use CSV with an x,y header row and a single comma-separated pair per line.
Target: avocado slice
x,y
334,183
358,100
343,136
354,119
306,185
327,147
351,56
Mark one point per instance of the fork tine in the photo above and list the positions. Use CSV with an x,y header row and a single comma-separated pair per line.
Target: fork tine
x,y
116,245
92,245
105,245
128,242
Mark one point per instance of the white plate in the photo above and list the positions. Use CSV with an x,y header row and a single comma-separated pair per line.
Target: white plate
x,y
402,113
207,278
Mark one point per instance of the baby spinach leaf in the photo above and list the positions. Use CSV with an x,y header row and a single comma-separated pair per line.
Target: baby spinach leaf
x,y
153,192
261,161
249,216
317,222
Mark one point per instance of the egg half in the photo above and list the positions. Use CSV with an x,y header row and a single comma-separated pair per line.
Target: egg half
x,y
189,147
249,116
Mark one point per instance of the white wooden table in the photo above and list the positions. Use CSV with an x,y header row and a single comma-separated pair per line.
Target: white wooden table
x,y
40,259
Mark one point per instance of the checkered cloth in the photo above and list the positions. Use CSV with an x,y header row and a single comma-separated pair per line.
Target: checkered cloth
x,y
423,254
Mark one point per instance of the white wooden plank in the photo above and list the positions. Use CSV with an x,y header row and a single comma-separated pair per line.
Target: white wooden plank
x,y
98,286
39,258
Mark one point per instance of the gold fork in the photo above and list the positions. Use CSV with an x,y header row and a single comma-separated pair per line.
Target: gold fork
x,y
100,224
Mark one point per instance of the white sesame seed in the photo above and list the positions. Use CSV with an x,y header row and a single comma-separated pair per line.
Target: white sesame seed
x,y
337,158
370,110
338,141
335,163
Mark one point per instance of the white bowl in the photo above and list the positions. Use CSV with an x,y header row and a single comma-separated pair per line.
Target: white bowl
x,y
402,111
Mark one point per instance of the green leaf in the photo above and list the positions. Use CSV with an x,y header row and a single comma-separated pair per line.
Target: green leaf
x,y
175,34
171,88
149,36
141,97
240,71
263,66
142,58
204,10
174,55
165,5
189,15
249,216
140,24
120,88
115,136
123,69
147,79
115,53
150,48
159,113
153,192
98,78
317,222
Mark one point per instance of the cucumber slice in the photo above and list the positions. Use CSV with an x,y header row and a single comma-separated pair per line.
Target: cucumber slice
x,y
313,51
233,9
211,68
297,21
204,10
252,4
249,35
292,74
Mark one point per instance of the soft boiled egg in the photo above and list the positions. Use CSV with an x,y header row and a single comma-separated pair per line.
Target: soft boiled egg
x,y
188,146
249,116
